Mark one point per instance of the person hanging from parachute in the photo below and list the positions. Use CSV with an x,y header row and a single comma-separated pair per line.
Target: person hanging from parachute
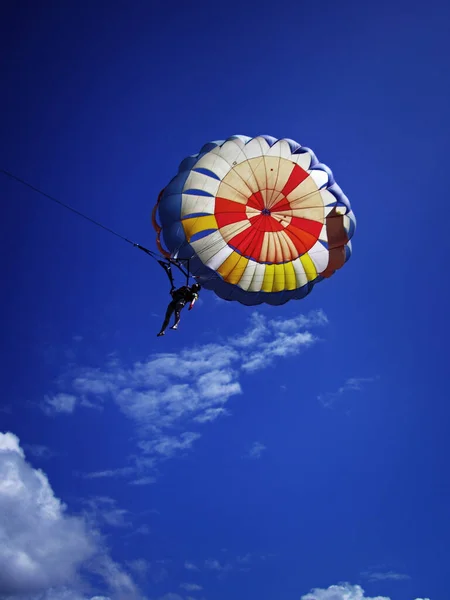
x,y
180,296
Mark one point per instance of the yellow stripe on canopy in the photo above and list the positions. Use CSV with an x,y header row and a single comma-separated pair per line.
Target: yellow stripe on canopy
x,y
309,267
196,224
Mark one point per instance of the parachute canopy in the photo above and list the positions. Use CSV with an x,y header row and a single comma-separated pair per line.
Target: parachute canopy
x,y
260,219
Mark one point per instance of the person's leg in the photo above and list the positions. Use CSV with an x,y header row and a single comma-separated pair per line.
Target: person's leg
x,y
169,311
178,308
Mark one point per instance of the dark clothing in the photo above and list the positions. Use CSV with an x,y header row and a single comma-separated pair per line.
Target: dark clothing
x,y
183,293
174,307
179,298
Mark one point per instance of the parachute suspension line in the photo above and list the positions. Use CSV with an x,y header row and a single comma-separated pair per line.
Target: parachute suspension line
x,y
164,263
167,268
74,210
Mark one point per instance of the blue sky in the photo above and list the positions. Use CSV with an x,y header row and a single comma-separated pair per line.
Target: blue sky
x,y
182,467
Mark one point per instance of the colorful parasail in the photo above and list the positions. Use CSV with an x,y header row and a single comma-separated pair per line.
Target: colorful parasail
x,y
259,220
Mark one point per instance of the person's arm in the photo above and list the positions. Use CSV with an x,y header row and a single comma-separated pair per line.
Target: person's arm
x,y
193,301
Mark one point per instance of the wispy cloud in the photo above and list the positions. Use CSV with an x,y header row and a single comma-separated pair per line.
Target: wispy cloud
x,y
244,560
255,333
120,472
142,530
176,391
256,450
168,446
211,414
353,384
385,576
145,569
214,565
140,566
118,580
59,403
39,451
312,319
240,563
137,469
147,480
103,509
191,587
267,340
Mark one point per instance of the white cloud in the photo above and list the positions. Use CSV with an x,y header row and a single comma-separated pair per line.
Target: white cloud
x,y
42,547
143,530
214,565
267,340
63,593
190,566
255,333
340,592
116,518
281,345
104,510
343,591
10,443
145,569
168,446
385,576
211,414
355,384
119,472
244,560
256,450
94,382
191,587
118,581
140,566
59,403
39,451
140,465
169,391
313,319
147,480
261,328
